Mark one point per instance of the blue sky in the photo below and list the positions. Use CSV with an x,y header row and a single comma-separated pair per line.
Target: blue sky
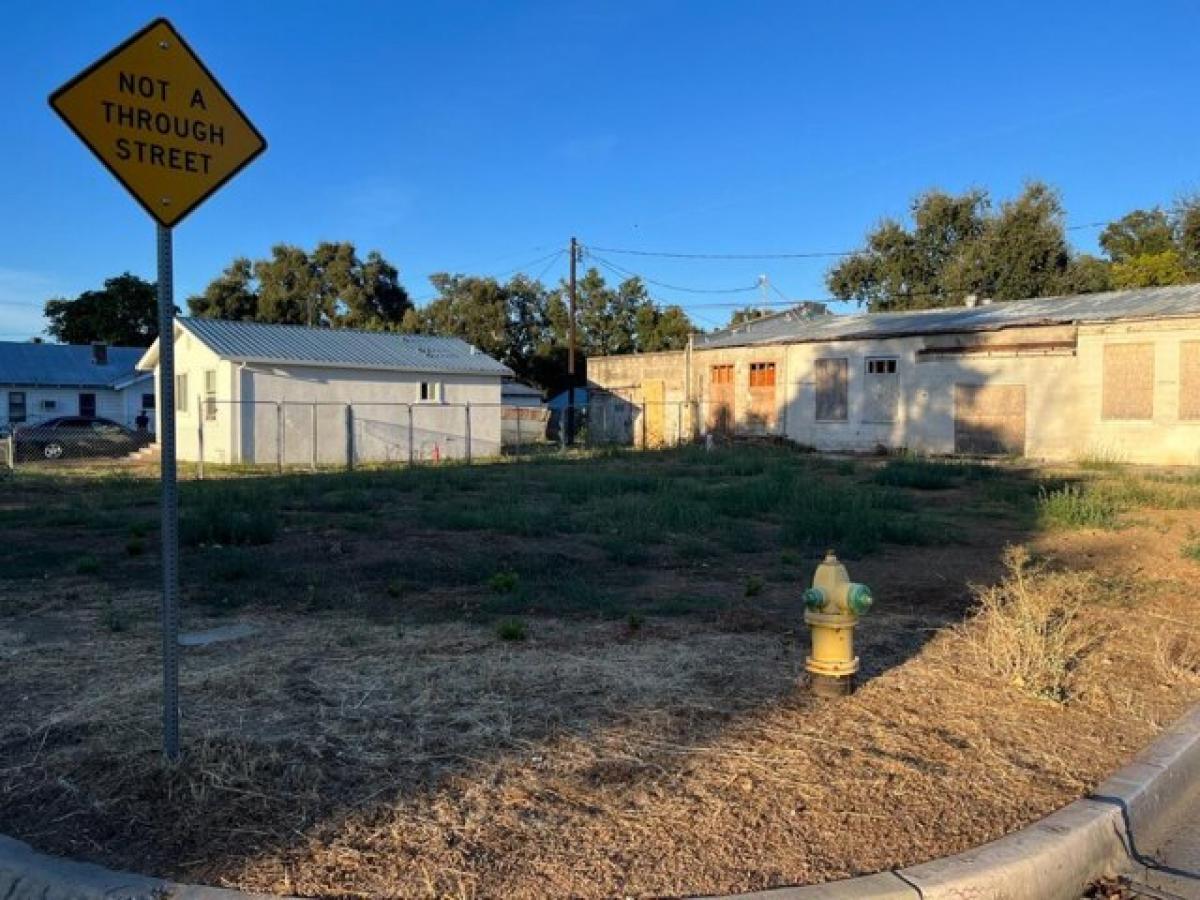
x,y
479,136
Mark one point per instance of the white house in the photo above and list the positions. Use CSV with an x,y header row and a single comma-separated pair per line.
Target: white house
x,y
247,392
46,381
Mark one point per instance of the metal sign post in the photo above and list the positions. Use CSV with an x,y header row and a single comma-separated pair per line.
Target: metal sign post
x,y
170,494
160,122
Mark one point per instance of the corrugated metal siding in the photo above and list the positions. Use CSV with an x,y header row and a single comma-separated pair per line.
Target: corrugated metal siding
x,y
340,347
65,364
788,327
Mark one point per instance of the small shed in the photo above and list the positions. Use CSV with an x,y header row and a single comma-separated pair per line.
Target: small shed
x,y
249,392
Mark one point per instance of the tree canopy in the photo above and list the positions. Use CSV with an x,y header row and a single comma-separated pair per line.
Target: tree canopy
x,y
960,244
123,313
330,286
524,324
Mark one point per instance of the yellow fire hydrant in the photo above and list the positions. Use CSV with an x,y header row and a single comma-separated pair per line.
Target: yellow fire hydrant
x,y
831,608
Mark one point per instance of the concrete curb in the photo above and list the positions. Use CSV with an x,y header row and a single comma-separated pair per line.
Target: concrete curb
x,y
1120,825
26,874
1117,827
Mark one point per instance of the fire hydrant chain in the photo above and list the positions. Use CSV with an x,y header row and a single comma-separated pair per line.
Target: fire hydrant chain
x,y
832,607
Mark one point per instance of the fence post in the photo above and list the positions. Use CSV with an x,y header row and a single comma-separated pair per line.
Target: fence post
x,y
678,424
314,437
410,434
518,411
278,437
350,437
643,413
201,412
467,407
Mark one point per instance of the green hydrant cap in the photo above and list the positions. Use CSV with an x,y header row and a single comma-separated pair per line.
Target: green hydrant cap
x,y
814,598
859,598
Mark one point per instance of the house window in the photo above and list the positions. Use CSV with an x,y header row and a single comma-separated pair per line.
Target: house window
x,y
722,374
881,391
16,406
1128,386
181,392
431,391
210,395
832,390
147,401
48,405
762,375
87,406
1189,380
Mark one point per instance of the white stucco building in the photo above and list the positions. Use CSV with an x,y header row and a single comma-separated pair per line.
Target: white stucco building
x,y
1114,374
253,393
48,381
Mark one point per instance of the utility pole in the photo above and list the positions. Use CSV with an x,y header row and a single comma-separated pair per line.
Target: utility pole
x,y
570,423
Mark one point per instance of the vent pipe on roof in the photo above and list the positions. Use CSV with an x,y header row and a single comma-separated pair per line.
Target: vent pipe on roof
x,y
99,354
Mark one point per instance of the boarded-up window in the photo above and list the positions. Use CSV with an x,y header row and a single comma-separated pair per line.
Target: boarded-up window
x,y
989,418
832,390
1128,391
881,391
722,374
1189,380
762,375
761,414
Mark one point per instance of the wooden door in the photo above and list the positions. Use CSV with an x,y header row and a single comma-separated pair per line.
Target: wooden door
x,y
721,410
654,397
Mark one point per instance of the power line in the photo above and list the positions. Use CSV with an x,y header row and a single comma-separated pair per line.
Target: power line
x,y
556,258
628,273
812,254
797,254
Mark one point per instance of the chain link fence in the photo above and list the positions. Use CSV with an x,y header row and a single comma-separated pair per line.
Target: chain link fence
x,y
262,436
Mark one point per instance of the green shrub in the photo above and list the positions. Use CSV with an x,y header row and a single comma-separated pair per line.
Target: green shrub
x,y
917,473
1191,550
504,582
1075,506
87,565
113,619
511,630
624,551
754,586
228,515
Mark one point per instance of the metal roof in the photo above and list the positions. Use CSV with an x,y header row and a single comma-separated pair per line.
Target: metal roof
x,y
336,347
66,365
790,327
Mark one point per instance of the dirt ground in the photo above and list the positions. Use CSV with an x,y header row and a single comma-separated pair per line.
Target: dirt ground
x,y
351,753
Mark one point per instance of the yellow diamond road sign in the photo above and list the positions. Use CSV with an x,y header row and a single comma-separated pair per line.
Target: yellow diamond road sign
x,y
158,120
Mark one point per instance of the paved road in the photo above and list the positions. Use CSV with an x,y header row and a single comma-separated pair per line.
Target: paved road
x,y
1176,870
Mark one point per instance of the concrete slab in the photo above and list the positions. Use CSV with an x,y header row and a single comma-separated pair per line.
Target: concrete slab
x,y
217,635
1175,870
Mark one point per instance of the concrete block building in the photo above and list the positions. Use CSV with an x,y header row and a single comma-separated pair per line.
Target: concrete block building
x,y
1115,374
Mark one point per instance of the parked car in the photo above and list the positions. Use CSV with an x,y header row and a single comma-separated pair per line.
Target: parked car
x,y
76,436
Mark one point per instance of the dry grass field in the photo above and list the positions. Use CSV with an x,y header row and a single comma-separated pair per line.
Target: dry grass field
x,y
583,676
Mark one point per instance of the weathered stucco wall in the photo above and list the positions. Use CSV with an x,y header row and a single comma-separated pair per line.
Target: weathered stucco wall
x,y
1057,373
